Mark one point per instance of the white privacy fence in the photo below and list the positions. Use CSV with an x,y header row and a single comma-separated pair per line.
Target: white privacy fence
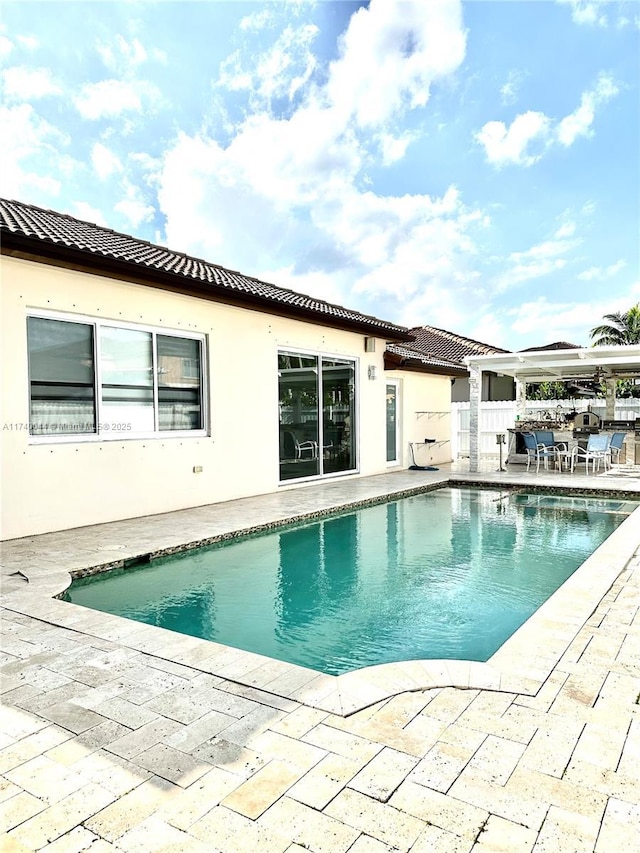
x,y
499,416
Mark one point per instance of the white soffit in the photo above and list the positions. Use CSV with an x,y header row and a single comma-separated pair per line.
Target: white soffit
x,y
562,364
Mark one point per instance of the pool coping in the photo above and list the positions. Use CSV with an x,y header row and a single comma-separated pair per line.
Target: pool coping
x,y
520,665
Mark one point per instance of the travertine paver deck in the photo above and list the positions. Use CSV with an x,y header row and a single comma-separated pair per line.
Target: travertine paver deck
x,y
111,739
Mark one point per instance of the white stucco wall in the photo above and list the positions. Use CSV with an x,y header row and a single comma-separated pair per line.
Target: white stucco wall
x,y
51,486
425,403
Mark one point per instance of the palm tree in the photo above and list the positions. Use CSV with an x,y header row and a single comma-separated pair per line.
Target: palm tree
x,y
621,329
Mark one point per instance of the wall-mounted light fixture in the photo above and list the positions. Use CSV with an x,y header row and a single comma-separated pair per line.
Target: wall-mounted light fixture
x,y
371,371
369,344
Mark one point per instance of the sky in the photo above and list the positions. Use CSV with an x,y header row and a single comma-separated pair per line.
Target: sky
x,y
467,165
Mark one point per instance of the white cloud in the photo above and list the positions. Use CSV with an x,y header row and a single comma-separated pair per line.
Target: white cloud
x,y
512,145
133,206
27,139
28,42
83,210
588,12
540,260
233,76
281,71
257,20
487,328
531,269
601,13
300,181
509,91
390,54
104,161
110,98
28,84
297,181
554,321
121,56
579,122
547,249
273,69
565,321
504,145
602,272
393,148
6,46
567,229
317,283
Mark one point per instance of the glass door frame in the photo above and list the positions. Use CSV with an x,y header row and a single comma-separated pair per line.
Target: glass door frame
x,y
397,385
355,362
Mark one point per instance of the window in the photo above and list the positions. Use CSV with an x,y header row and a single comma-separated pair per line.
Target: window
x,y
114,381
126,378
62,377
317,415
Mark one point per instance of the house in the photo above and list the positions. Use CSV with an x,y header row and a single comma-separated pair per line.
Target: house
x,y
139,380
454,348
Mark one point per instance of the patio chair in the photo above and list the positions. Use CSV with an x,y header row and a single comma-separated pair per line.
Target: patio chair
x,y
615,447
546,437
294,449
537,450
596,451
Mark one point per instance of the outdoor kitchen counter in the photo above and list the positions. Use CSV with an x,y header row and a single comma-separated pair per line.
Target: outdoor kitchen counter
x,y
517,454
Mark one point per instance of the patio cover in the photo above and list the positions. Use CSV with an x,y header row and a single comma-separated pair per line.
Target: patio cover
x,y
559,365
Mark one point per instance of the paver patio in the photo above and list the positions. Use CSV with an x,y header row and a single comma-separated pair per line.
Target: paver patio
x,y
122,737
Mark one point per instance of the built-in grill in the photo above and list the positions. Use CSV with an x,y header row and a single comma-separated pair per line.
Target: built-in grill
x,y
623,426
632,445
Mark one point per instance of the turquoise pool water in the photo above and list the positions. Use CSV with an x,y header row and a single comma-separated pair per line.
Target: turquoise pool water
x,y
446,574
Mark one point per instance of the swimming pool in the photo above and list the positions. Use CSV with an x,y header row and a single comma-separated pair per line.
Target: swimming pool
x,y
447,574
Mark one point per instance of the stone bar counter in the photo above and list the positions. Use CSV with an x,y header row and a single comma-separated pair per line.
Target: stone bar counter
x,y
570,434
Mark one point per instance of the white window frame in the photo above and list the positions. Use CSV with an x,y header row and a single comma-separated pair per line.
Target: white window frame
x,y
101,435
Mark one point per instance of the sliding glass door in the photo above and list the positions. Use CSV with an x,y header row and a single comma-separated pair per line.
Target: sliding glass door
x,y
298,383
338,415
317,415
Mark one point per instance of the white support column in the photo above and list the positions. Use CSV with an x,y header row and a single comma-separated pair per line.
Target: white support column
x,y
610,400
475,393
521,399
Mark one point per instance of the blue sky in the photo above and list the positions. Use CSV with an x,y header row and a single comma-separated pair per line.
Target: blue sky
x,y
469,165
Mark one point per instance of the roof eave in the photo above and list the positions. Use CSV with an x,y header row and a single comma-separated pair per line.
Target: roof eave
x,y
393,361
58,254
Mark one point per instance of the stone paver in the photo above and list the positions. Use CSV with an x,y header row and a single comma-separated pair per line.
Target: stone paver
x,y
620,829
325,781
190,805
384,773
567,831
62,817
449,813
504,836
384,822
262,789
130,810
120,738
229,832
317,831
171,764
